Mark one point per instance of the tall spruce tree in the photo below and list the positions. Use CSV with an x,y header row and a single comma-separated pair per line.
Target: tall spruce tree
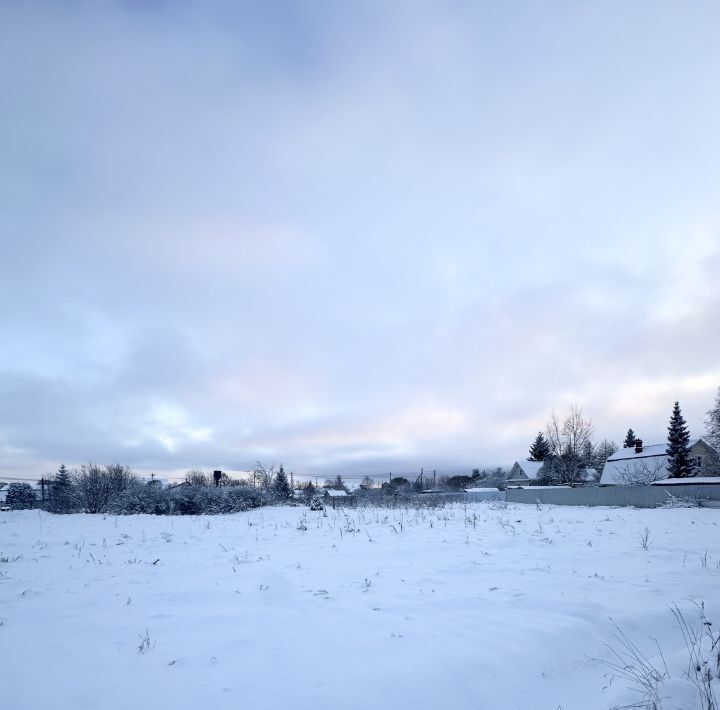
x,y
678,451
281,485
61,491
630,438
540,448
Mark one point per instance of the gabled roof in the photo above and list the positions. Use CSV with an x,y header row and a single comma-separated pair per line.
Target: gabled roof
x,y
335,494
531,468
629,453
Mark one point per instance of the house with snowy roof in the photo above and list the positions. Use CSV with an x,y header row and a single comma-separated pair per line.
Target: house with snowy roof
x,y
334,493
525,473
529,473
642,465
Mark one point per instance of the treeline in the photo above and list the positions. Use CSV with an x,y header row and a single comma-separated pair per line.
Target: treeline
x,y
116,489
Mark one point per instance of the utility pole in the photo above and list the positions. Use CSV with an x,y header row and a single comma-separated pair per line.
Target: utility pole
x,y
433,479
292,480
42,489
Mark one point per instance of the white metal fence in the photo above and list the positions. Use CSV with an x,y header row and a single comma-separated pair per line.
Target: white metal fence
x,y
637,496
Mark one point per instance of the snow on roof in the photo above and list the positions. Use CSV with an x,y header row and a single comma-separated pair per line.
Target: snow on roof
x,y
334,494
481,490
629,453
530,468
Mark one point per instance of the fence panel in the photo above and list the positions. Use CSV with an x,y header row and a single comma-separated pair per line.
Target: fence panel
x,y
637,496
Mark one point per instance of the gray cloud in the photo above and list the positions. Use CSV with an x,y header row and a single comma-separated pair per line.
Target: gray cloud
x,y
365,238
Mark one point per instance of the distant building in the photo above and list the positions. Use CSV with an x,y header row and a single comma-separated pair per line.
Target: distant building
x,y
530,473
332,493
525,473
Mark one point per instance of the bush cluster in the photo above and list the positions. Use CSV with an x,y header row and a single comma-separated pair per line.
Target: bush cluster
x,y
116,489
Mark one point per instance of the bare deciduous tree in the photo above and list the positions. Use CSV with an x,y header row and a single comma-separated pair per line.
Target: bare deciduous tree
x,y
196,477
263,476
96,485
569,440
712,424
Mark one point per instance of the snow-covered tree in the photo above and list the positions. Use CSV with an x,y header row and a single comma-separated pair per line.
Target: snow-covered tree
x,y
96,486
281,486
641,473
568,439
196,477
603,451
678,451
263,476
712,424
539,449
630,438
62,492
20,496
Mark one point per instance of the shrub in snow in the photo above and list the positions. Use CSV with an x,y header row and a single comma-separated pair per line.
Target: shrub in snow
x,y
140,497
241,498
317,503
189,500
682,501
212,500
20,496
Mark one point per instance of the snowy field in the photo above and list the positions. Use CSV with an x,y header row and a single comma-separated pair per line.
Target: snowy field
x,y
478,607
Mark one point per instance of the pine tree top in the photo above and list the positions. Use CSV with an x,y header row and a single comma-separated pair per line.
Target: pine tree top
x,y
540,448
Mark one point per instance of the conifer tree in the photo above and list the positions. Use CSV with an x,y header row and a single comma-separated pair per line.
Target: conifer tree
x,y
630,438
603,451
540,448
678,451
281,485
61,491
310,490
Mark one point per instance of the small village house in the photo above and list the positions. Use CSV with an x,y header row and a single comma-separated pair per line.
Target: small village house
x,y
640,464
531,473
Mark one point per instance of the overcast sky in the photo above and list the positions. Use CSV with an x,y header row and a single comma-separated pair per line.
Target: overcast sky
x,y
352,237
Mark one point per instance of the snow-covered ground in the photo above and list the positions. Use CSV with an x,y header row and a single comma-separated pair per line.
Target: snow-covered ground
x,y
468,607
